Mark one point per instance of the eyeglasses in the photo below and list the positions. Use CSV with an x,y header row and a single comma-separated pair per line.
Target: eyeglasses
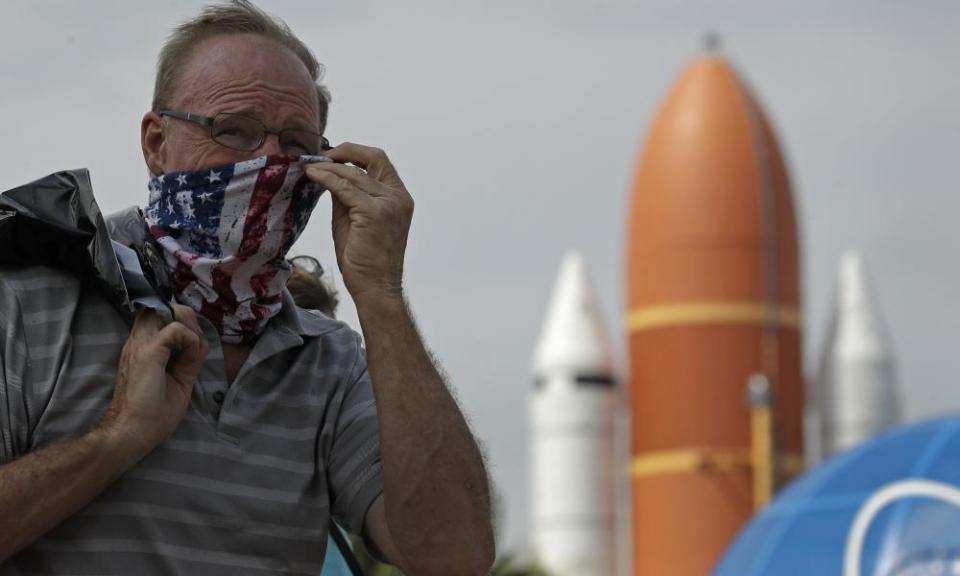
x,y
307,264
246,134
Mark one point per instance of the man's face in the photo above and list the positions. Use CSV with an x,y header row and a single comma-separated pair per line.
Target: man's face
x,y
240,73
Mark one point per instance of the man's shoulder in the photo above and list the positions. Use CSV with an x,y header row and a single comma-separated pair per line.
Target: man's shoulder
x,y
317,324
334,336
30,283
37,304
48,297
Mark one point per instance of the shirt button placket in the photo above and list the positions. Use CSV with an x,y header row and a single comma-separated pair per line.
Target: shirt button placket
x,y
218,397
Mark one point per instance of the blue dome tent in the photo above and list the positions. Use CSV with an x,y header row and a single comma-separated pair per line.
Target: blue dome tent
x,y
888,508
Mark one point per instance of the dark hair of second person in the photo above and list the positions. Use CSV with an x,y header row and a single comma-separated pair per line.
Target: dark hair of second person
x,y
309,291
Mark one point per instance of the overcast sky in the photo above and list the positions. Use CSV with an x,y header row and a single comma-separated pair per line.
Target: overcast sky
x,y
516,125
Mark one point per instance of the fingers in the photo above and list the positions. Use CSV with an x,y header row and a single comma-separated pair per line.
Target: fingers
x,y
373,160
178,338
188,317
160,342
341,181
147,322
355,176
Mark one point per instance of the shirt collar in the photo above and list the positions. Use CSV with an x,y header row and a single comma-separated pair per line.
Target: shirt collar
x,y
300,321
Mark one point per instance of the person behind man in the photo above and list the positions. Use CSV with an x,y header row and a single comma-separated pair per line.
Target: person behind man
x,y
224,441
308,288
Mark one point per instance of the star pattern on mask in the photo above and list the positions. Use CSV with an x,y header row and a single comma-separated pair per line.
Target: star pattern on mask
x,y
213,177
182,179
184,200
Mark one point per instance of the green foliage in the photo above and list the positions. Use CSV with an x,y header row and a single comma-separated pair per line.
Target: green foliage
x,y
369,564
509,565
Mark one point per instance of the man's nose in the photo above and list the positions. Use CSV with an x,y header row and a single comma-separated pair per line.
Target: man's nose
x,y
270,146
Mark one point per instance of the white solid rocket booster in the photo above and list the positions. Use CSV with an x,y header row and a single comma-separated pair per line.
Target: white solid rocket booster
x,y
571,433
858,395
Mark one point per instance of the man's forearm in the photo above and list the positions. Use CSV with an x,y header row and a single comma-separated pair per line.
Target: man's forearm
x,y
43,488
435,484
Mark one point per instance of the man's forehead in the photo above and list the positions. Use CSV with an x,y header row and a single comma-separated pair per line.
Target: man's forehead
x,y
233,62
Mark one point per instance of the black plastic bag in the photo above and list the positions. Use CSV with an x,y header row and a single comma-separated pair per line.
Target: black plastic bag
x,y
55,221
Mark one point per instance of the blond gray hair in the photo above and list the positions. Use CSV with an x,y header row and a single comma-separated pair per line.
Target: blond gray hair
x,y
233,17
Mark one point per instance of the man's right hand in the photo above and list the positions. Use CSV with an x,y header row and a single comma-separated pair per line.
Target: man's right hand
x,y
158,368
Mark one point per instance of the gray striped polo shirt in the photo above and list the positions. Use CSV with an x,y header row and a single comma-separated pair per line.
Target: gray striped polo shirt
x,y
248,481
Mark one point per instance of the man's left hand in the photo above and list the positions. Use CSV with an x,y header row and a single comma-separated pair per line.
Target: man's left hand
x,y
371,218
433,517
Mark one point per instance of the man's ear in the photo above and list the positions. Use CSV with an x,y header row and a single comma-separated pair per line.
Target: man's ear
x,y
153,142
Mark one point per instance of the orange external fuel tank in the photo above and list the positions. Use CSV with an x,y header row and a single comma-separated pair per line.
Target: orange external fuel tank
x,y
712,298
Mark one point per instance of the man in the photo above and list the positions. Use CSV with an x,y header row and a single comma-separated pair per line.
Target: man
x,y
222,442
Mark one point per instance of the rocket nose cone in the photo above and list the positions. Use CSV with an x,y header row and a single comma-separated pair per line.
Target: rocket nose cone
x,y
709,185
857,391
858,327
852,291
573,335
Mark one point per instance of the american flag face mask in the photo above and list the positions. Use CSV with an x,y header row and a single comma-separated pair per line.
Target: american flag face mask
x,y
225,233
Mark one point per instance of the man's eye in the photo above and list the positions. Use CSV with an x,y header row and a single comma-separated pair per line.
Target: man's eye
x,y
231,131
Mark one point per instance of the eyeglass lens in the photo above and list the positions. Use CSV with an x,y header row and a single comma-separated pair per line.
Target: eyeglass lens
x,y
242,133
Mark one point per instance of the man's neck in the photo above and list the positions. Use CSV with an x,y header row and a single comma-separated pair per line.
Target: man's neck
x,y
234,355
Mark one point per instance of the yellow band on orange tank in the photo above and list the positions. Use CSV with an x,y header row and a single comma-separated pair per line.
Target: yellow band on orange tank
x,y
711,312
686,460
689,460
